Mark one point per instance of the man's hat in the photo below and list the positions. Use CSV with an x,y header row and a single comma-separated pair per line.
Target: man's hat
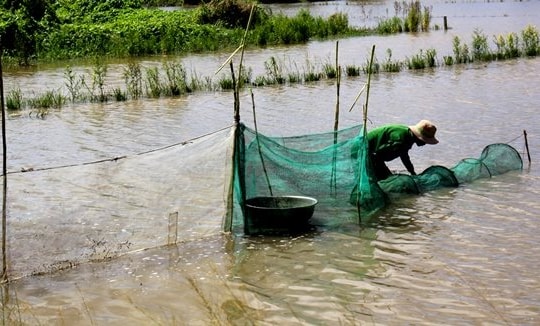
x,y
425,131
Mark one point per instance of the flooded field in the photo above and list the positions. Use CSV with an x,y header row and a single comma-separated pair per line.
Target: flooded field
x,y
460,256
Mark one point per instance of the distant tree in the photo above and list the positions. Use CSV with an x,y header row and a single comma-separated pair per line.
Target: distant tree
x,y
22,20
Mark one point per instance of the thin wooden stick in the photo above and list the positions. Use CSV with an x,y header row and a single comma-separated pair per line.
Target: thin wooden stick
x,y
527,146
333,179
365,113
4,276
357,97
259,145
364,117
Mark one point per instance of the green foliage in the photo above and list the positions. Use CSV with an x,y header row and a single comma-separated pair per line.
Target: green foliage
x,y
70,11
531,41
423,60
390,26
480,47
230,13
281,29
99,73
390,65
352,70
274,70
176,79
461,51
507,46
153,83
414,17
14,100
72,83
133,79
48,100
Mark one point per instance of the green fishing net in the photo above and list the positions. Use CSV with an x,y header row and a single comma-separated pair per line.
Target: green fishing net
x,y
333,168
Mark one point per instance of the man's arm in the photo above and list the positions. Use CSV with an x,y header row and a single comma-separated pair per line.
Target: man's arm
x,y
406,160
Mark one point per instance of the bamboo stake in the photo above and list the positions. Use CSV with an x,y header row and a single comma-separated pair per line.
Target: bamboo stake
x,y
259,145
4,276
364,117
527,146
333,180
227,225
367,88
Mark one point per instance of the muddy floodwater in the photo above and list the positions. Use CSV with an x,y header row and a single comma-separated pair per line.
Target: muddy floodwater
x,y
459,256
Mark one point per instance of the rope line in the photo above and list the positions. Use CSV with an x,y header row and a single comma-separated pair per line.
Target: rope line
x,y
117,158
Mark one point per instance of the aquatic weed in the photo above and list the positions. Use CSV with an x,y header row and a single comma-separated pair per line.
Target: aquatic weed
x,y
530,40
14,100
480,47
133,79
153,83
390,65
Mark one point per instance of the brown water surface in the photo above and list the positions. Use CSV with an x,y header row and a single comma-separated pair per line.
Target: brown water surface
x,y
463,256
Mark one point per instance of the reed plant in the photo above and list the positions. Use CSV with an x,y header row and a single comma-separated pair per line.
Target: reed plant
x,y
448,60
330,70
431,58
293,73
531,41
413,16
119,95
461,51
49,100
261,81
177,83
73,83
294,77
390,26
480,47
390,65
225,83
196,83
99,72
426,18
417,61
310,73
14,100
352,70
274,70
133,79
153,83
371,67
507,46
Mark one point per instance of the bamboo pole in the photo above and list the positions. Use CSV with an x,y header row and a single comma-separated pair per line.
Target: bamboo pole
x,y
4,276
333,180
527,146
365,112
259,145
364,127
227,225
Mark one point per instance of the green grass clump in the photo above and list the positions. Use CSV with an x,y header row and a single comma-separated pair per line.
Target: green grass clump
x,y
461,51
352,70
531,41
14,100
480,47
390,26
390,65
133,79
48,100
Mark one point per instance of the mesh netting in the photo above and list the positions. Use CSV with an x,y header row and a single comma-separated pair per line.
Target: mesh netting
x,y
59,217
333,168
495,159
